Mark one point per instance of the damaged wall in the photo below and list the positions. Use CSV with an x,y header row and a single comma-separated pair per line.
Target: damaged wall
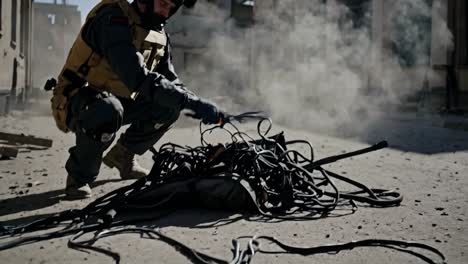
x,y
56,26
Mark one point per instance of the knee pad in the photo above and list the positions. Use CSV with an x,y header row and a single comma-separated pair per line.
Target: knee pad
x,y
101,118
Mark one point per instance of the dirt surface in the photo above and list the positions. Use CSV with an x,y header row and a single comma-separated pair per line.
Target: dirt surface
x,y
427,164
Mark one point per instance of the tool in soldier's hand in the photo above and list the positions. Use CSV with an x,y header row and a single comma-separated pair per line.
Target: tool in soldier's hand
x,y
241,118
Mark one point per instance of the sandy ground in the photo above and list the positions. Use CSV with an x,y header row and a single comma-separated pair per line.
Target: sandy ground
x,y
427,164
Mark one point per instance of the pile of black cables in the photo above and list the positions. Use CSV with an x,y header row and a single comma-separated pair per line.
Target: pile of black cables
x,y
287,184
286,181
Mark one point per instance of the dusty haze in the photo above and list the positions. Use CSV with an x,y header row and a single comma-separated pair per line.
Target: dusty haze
x,y
314,66
322,70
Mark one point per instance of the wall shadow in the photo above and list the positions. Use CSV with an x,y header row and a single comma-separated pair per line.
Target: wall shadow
x,y
413,135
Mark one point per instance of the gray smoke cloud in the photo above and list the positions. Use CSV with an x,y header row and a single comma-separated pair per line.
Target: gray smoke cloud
x,y
323,65
315,64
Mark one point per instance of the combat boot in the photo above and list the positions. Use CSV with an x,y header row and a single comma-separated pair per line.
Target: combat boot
x,y
76,190
121,158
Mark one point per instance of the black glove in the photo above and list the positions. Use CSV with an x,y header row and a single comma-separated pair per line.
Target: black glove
x,y
204,110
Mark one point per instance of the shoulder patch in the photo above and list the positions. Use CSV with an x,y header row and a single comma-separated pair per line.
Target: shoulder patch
x,y
118,20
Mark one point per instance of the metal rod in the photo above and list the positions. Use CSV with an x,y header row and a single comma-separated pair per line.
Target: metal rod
x,y
318,163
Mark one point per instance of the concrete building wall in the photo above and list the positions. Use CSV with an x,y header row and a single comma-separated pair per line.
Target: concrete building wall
x,y
56,26
15,33
458,23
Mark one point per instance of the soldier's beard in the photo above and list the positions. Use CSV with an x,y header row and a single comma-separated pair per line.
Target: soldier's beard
x,y
149,20
156,22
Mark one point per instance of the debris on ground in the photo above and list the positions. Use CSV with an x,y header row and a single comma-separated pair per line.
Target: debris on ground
x,y
32,184
25,140
9,143
8,151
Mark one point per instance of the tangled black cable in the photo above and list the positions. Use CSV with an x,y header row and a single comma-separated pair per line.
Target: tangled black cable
x,y
245,256
282,183
285,181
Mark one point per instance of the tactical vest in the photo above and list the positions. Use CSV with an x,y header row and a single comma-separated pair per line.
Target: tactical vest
x,y
83,65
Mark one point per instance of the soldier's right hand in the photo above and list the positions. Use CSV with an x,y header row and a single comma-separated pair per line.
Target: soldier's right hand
x,y
204,110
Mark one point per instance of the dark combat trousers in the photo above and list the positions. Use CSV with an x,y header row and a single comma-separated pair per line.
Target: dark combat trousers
x,y
95,117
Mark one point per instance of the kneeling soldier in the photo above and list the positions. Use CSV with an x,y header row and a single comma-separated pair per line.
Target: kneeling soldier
x,y
119,72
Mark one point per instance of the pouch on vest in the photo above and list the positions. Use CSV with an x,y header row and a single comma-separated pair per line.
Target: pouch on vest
x,y
65,89
59,104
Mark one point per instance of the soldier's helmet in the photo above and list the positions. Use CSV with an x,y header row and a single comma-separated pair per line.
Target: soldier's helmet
x,y
159,11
